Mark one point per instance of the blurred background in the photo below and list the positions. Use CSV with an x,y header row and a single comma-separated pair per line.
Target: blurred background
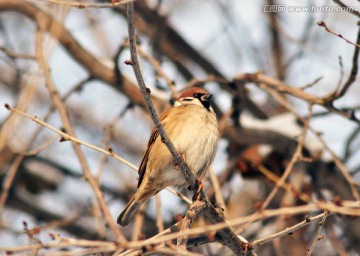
x,y
181,44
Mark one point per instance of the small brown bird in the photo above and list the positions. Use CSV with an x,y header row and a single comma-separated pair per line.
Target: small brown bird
x,y
192,127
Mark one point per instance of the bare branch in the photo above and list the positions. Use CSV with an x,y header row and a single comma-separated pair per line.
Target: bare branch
x,y
317,237
323,24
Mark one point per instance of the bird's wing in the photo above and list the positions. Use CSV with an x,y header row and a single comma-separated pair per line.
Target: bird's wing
x,y
151,142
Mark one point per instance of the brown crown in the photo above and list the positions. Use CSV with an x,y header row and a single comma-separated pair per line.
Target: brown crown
x,y
192,91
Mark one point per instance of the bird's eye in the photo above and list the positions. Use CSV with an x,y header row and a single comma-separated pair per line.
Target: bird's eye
x,y
197,95
187,99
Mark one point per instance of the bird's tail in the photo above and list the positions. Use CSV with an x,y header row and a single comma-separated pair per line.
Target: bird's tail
x,y
128,213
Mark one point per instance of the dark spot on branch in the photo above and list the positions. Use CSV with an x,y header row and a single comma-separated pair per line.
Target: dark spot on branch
x,y
129,62
62,139
322,24
25,225
7,106
52,236
110,149
148,91
307,218
337,200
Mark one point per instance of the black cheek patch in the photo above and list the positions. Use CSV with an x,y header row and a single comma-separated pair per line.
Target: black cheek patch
x,y
206,104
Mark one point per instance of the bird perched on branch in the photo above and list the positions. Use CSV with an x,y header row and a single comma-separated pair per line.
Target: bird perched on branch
x,y
192,127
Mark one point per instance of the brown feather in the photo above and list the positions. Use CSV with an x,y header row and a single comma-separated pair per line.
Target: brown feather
x,y
153,137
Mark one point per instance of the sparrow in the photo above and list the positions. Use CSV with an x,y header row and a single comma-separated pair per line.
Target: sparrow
x,y
191,125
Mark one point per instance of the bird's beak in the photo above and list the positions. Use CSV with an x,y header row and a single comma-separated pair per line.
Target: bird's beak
x,y
206,97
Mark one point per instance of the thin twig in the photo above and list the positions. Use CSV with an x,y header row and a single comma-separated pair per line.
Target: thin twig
x,y
157,66
288,231
354,69
341,74
159,218
68,127
138,223
348,208
311,84
295,158
13,54
271,176
323,24
217,189
13,169
317,237
269,83
40,148
67,137
343,169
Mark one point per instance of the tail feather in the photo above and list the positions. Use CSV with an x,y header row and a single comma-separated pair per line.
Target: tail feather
x,y
128,213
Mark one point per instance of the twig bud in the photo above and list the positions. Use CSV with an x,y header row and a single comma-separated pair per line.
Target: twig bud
x,y
129,62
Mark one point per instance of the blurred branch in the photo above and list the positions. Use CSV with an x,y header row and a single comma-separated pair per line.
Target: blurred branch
x,y
82,5
289,168
96,68
348,208
54,220
352,184
66,137
13,54
59,104
20,156
348,9
276,43
217,189
269,83
170,43
354,69
349,142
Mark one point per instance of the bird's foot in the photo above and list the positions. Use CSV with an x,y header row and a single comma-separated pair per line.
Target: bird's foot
x,y
199,185
198,188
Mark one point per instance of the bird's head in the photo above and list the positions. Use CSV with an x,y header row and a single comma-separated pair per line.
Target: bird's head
x,y
194,96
